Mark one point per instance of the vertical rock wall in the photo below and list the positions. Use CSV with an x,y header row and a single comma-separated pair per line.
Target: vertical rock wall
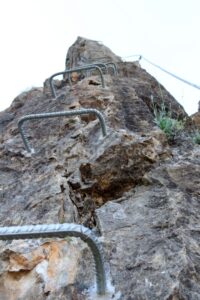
x,y
139,193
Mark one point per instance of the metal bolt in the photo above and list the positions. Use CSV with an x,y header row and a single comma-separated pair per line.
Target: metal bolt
x,y
62,230
58,114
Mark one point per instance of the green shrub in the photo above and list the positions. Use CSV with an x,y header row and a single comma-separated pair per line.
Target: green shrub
x,y
165,122
196,138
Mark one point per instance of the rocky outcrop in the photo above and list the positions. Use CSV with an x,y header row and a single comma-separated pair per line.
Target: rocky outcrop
x,y
196,120
85,51
139,193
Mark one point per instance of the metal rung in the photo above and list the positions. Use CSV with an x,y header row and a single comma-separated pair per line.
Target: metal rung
x,y
112,64
89,67
58,114
62,230
106,65
98,64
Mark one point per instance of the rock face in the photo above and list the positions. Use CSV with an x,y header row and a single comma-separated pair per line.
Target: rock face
x,y
196,119
85,51
139,193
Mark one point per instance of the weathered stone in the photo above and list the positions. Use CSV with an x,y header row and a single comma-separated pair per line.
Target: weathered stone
x,y
28,272
196,119
85,51
138,192
105,179
151,236
5,118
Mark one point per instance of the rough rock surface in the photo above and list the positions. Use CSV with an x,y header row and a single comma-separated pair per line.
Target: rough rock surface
x,y
196,119
85,51
139,193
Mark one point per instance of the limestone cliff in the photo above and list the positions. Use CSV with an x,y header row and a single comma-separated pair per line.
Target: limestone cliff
x,y
135,188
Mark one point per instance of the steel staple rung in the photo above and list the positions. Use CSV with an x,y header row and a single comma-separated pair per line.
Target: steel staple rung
x,y
101,65
89,67
58,114
105,65
113,66
62,230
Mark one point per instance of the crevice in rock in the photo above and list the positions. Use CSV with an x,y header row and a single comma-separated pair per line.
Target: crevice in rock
x,y
47,293
84,205
18,275
175,295
93,82
62,188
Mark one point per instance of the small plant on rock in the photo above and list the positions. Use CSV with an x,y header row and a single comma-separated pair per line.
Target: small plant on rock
x,y
196,137
165,122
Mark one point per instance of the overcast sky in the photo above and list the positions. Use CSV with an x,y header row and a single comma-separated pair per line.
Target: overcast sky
x,y
36,34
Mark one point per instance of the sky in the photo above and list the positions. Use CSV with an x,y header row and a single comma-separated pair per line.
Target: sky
x,y
36,34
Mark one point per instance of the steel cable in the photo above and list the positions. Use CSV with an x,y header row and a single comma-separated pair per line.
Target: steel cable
x,y
164,70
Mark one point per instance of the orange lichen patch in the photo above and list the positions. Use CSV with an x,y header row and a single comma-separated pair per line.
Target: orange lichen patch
x,y
74,76
54,254
27,261
19,285
63,260
53,263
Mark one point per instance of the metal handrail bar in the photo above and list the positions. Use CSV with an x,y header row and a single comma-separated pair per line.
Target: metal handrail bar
x,y
62,230
101,65
113,66
58,114
89,67
96,61
105,64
